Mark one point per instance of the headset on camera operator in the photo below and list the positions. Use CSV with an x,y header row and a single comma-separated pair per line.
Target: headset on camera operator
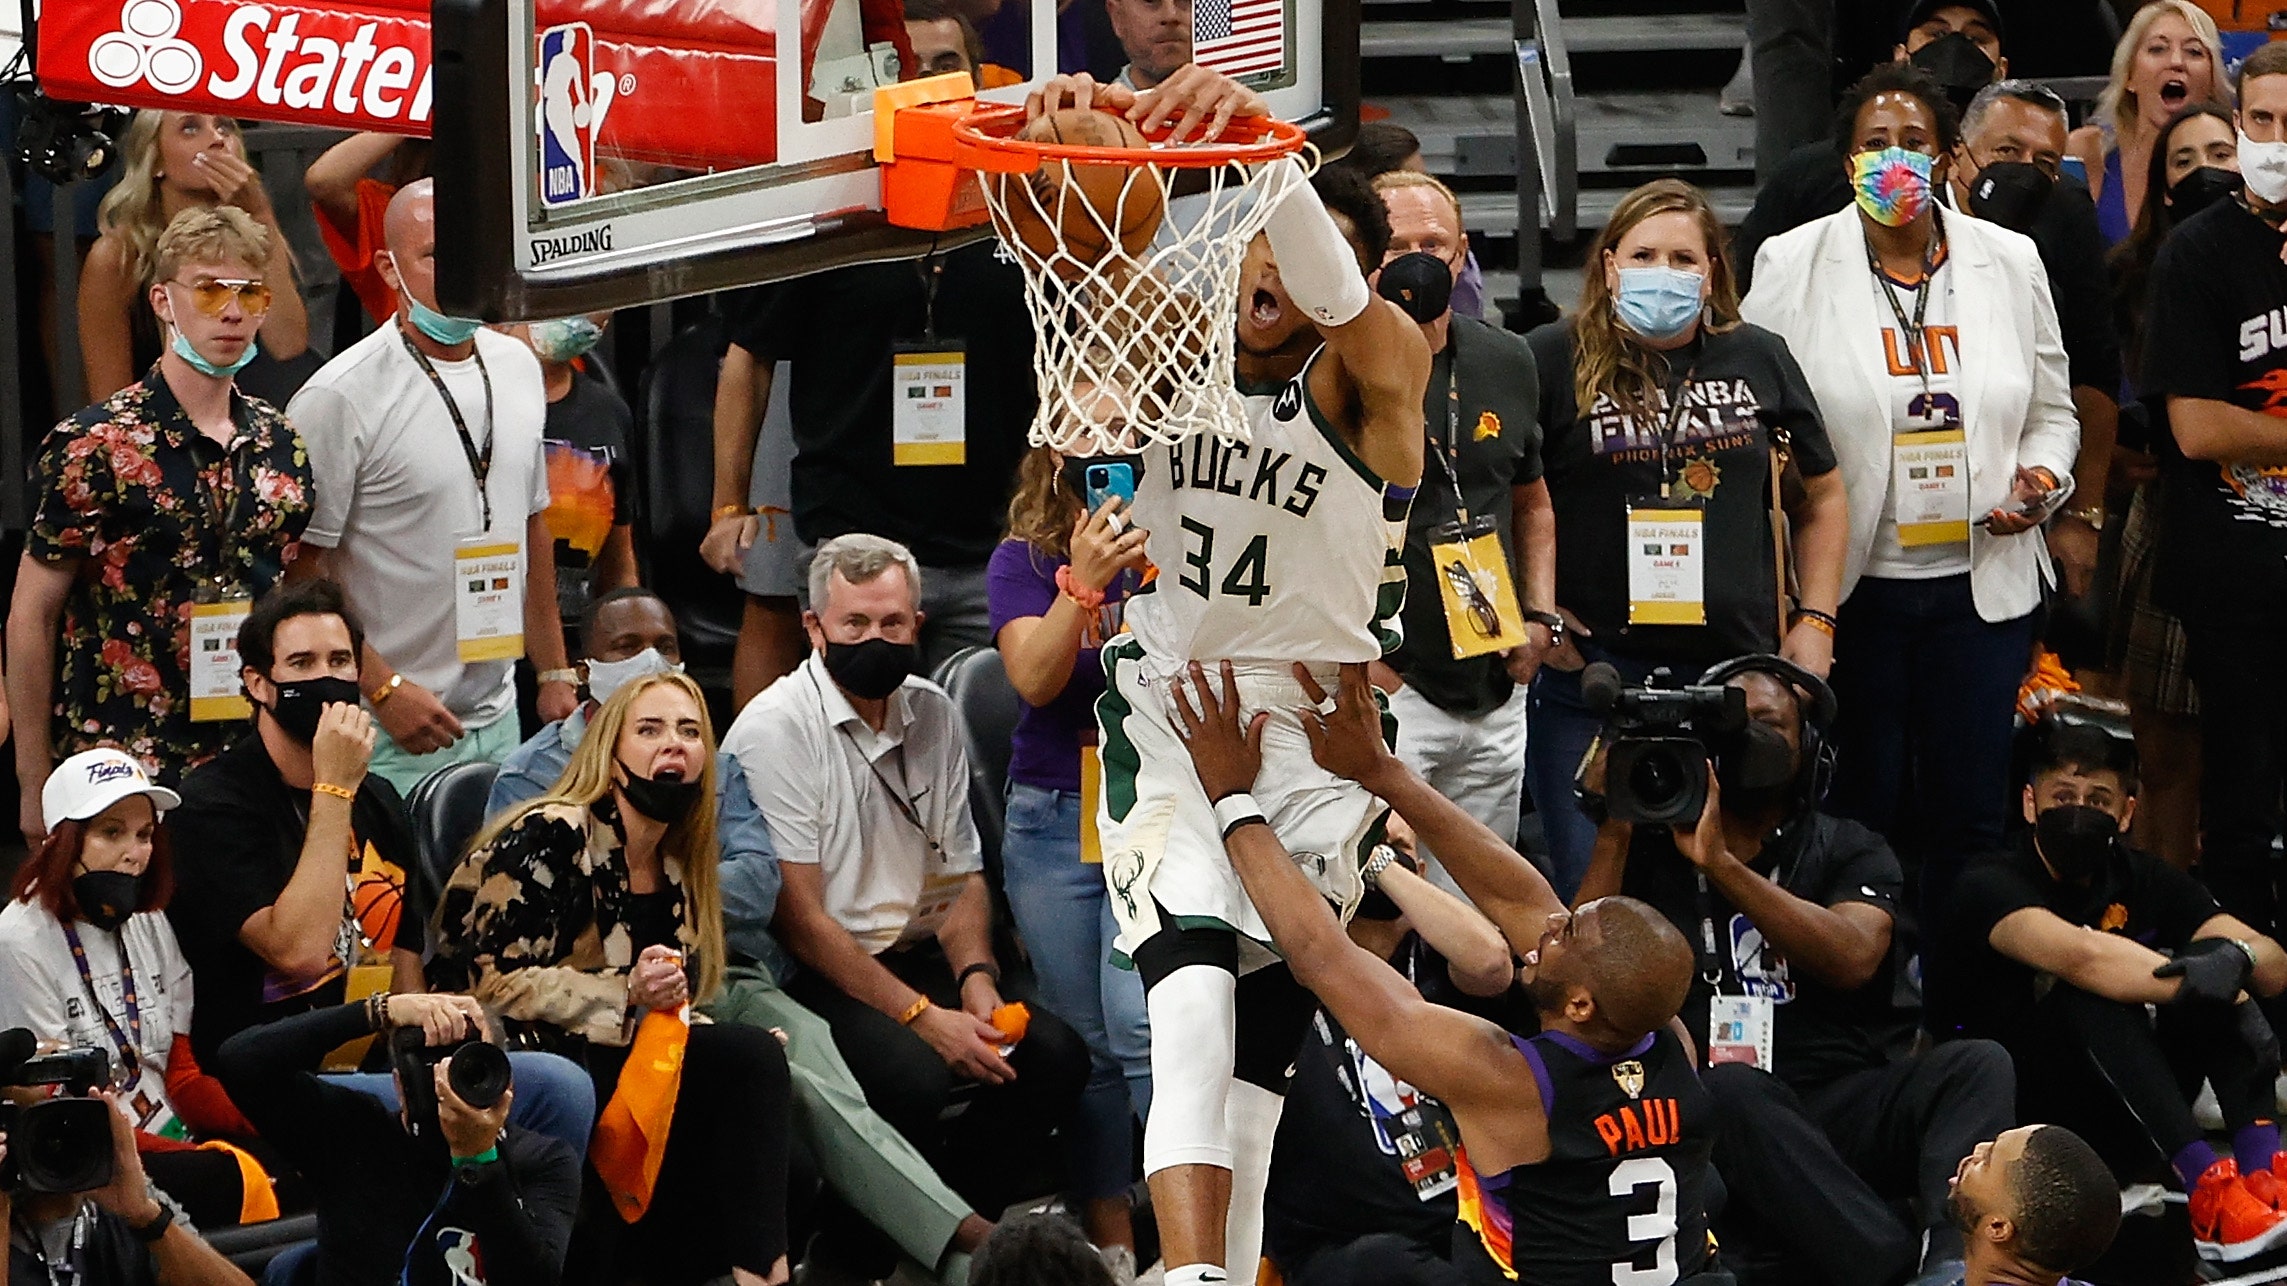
x,y
441,1192
1715,821
78,1207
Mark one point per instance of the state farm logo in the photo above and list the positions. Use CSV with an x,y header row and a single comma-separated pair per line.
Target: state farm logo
x,y
146,48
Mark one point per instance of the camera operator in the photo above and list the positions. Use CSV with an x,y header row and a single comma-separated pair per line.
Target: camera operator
x,y
125,1233
1792,911
440,1191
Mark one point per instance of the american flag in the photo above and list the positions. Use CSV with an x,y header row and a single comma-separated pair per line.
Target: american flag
x,y
1239,37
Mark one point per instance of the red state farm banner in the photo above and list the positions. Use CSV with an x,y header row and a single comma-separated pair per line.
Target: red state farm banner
x,y
650,80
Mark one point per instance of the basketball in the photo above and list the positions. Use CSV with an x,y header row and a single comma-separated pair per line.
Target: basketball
x,y
1077,207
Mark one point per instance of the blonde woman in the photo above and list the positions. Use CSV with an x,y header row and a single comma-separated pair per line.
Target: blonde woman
x,y
172,162
2170,57
598,902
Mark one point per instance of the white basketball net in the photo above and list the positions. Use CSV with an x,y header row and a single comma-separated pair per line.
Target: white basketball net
x,y
1136,350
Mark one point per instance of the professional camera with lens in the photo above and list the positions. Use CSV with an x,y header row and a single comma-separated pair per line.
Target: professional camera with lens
x,y
60,1144
479,1075
1659,738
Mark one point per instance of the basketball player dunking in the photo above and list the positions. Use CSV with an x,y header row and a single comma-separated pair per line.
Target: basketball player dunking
x,y
1272,551
1585,1147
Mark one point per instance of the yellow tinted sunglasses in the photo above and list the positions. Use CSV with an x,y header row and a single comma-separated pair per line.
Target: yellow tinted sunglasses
x,y
212,295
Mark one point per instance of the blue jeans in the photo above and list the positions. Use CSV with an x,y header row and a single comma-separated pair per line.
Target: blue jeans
x,y
1558,729
1927,700
1066,919
554,1095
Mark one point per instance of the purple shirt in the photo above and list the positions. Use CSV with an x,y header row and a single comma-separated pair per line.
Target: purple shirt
x,y
1045,751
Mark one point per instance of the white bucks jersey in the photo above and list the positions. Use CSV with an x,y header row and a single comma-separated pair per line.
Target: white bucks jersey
x,y
1285,548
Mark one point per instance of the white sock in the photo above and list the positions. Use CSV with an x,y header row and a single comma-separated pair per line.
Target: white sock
x,y
1195,1275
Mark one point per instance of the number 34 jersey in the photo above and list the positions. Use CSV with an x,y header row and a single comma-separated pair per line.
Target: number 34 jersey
x,y
1620,1201
1284,548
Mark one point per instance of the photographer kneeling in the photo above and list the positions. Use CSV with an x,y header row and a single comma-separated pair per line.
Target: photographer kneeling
x,y
442,1191
1791,911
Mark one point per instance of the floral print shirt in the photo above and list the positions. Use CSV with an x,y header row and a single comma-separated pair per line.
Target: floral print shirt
x,y
154,513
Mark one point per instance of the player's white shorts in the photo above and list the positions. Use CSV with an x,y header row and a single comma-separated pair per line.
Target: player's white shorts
x,y
1163,850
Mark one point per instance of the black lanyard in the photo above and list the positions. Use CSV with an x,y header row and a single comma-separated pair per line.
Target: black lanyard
x,y
931,266
130,1041
480,462
899,792
1679,403
1913,329
73,1270
1448,453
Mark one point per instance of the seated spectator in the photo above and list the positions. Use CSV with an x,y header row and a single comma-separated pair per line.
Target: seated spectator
x,y
1385,146
859,768
175,490
126,1231
945,41
171,162
591,476
349,202
406,1196
631,633
599,902
2169,57
93,896
2034,1204
2116,980
1550,1123
1362,1169
1825,1120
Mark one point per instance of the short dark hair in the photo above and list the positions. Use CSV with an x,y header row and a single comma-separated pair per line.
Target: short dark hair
x,y
2265,61
1381,146
1895,78
2068,1202
939,11
1038,1250
596,606
1351,196
284,602
2061,745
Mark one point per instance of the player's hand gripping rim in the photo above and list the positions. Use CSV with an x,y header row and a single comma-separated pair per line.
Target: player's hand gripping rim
x,y
1201,103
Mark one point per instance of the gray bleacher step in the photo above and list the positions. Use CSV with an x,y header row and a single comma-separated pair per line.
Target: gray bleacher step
x,y
1494,214
1619,133
1469,37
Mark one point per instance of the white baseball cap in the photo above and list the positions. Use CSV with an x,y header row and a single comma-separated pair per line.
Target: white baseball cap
x,y
93,780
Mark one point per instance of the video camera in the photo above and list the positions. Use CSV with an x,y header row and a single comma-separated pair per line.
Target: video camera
x,y
479,1075
1661,736
60,1144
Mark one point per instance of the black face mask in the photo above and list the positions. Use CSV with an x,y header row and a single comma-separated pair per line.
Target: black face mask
x,y
2200,189
1757,769
873,669
1957,64
2076,839
302,702
662,799
1420,283
106,898
2010,193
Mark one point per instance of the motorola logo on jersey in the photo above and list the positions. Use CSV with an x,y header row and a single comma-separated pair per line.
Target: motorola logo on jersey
x,y
1289,403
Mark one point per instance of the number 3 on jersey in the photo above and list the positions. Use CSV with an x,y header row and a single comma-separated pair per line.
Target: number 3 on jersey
x,y
1245,578
1659,1225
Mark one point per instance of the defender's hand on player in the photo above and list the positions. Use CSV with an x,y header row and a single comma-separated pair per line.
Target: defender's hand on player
x,y
1346,739
1227,756
1076,90
1100,552
1202,104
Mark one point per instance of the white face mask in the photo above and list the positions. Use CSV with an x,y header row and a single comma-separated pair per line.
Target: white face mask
x,y
2263,168
607,677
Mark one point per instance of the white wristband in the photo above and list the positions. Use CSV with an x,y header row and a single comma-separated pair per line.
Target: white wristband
x,y
1316,263
1237,809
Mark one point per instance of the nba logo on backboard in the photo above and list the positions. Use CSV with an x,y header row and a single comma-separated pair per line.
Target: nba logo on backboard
x,y
573,100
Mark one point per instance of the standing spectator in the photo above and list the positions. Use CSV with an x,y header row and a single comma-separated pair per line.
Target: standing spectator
x,y
432,515
2035,1204
1464,718
591,478
1946,384
175,494
2195,163
1059,587
1155,35
1624,431
2167,59
2209,358
859,768
93,896
349,203
600,902
1385,146
172,162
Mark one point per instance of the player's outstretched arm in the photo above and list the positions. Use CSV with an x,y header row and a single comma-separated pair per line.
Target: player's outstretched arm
x,y
1457,1057
1348,743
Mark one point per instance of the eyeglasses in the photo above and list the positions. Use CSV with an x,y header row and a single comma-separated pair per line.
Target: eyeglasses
x,y
1483,616
212,296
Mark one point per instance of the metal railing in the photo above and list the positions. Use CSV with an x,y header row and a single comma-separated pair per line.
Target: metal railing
x,y
1548,142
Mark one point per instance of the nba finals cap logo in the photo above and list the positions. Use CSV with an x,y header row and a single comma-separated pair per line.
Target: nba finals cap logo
x,y
573,100
146,48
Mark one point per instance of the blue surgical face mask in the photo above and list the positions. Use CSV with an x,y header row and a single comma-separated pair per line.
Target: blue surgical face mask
x,y
184,350
1658,303
560,339
437,326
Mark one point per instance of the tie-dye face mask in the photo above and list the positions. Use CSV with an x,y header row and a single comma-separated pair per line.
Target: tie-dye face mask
x,y
1892,185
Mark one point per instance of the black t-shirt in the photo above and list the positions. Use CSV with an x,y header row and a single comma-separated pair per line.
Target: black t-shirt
x,y
2216,328
1818,1033
1495,444
840,330
1737,387
591,483
237,839
1980,992
108,1252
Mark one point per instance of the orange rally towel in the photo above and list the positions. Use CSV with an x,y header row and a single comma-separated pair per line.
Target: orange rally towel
x,y
257,1199
631,1135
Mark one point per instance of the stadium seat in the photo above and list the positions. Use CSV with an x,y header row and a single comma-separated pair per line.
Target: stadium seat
x,y
448,810
252,1246
989,707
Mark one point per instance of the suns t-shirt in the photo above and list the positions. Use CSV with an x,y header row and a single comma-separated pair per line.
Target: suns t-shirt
x,y
1924,394
41,988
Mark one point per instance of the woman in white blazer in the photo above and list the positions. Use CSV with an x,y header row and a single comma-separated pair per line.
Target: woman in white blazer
x,y
1932,346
